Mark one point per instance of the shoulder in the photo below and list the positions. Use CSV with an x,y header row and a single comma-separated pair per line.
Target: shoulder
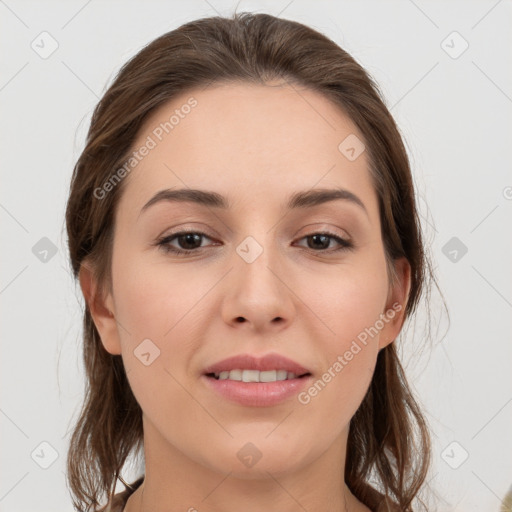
x,y
116,505
377,501
386,505
119,500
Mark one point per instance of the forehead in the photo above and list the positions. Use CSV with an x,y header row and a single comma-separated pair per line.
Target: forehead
x,y
247,141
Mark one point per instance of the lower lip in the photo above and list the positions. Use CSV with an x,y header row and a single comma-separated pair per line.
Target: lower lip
x,y
257,394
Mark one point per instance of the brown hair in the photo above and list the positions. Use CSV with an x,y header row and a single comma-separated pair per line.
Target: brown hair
x,y
388,438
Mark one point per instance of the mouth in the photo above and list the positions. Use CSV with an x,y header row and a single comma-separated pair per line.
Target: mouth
x,y
256,376
253,388
257,381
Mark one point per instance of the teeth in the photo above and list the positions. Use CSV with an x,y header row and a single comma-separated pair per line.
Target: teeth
x,y
250,376
282,374
255,375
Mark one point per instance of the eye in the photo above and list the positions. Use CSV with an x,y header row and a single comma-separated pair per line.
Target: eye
x,y
190,242
322,241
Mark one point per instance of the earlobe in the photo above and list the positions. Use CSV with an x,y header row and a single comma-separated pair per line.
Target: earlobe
x,y
101,310
398,296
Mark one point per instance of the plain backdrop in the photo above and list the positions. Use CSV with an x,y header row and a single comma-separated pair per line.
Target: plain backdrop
x,y
445,71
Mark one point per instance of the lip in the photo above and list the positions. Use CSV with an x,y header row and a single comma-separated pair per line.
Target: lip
x,y
257,394
249,362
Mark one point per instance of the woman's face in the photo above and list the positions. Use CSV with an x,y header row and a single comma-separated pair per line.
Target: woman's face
x,y
255,281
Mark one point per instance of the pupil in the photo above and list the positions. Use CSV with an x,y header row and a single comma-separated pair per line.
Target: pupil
x,y
325,240
189,237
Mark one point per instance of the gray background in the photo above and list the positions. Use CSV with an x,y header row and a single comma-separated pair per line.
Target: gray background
x,y
454,110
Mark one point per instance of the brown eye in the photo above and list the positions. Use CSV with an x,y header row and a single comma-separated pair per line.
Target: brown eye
x,y
188,241
320,242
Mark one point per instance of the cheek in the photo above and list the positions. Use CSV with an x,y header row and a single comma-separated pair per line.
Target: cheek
x,y
156,307
346,333
154,300
346,299
348,360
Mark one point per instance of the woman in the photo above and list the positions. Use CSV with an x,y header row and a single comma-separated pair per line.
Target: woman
x,y
243,225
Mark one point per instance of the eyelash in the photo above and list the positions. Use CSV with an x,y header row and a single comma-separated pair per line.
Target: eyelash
x,y
164,243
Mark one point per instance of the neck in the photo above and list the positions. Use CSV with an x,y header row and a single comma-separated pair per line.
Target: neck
x,y
173,478
355,506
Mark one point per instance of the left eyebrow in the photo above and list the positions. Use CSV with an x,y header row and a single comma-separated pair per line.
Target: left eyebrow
x,y
304,199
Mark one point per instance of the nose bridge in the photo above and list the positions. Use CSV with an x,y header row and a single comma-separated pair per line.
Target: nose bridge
x,y
258,243
256,291
258,255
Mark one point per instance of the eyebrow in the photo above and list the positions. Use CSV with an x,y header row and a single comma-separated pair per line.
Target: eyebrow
x,y
298,200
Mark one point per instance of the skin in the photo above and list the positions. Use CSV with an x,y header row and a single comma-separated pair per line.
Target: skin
x,y
256,145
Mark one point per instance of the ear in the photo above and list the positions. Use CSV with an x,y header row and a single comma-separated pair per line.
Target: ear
x,y
101,310
394,312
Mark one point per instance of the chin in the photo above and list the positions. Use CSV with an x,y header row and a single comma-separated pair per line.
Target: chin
x,y
261,470
250,463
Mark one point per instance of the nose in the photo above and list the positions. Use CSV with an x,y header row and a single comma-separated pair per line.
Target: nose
x,y
258,291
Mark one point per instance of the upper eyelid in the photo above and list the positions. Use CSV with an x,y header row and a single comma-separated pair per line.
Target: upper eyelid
x,y
328,232
201,231
311,227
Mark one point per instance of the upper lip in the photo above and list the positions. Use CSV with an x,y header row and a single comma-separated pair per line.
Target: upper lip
x,y
250,362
